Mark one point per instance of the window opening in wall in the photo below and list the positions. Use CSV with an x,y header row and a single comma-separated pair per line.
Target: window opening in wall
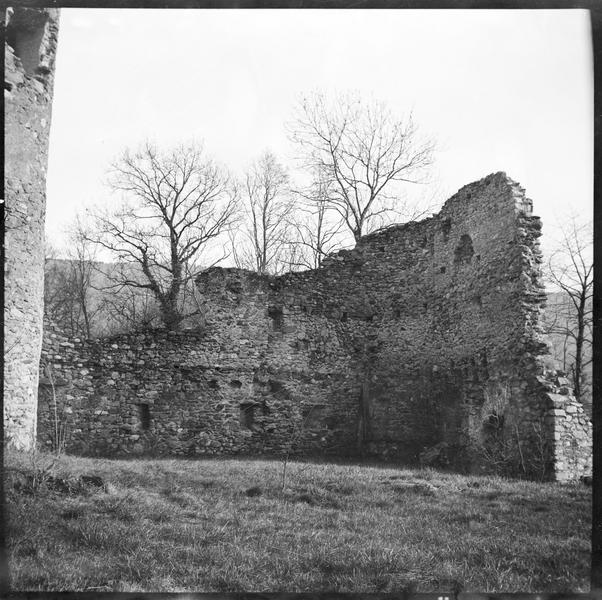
x,y
275,313
213,384
446,228
313,417
247,415
24,34
275,386
464,251
344,317
442,270
493,424
145,416
235,383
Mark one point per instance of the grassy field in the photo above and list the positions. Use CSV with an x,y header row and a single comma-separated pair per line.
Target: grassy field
x,y
228,525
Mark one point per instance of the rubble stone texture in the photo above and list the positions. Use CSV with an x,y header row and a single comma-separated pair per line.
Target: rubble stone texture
x,y
424,336
31,39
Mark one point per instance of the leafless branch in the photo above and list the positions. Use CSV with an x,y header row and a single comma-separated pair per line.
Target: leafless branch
x,y
363,150
174,204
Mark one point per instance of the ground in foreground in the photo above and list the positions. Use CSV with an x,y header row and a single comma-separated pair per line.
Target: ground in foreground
x,y
231,525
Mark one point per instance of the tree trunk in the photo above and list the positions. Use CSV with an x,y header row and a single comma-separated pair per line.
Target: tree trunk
x,y
170,316
171,321
579,348
86,319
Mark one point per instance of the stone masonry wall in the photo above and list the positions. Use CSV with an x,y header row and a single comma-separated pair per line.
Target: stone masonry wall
x,y
31,38
425,335
186,393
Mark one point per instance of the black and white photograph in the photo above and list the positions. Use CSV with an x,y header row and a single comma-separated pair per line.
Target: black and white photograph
x,y
298,300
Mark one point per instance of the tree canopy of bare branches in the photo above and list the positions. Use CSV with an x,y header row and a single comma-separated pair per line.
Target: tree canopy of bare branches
x,y
365,152
174,203
316,234
267,207
571,270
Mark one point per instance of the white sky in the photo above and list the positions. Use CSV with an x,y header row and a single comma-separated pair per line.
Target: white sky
x,y
500,90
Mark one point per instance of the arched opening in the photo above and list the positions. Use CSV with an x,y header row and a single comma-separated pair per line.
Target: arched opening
x,y
24,33
464,251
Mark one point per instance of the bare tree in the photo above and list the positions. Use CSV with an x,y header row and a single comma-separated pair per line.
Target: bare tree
x,y
175,203
69,298
316,232
265,230
571,269
83,257
366,152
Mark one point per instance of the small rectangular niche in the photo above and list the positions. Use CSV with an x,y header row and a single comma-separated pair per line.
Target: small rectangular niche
x,y
446,225
276,314
145,416
477,301
247,415
314,416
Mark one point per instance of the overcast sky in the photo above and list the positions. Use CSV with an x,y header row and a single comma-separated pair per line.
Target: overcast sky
x,y
499,90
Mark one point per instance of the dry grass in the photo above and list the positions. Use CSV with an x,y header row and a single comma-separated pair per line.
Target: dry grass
x,y
184,525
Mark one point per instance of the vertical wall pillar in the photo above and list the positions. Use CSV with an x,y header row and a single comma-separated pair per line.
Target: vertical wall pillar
x,y
30,50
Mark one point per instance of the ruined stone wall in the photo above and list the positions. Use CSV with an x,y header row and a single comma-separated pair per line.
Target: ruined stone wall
x,y
458,315
437,316
569,430
189,393
31,38
441,319
424,335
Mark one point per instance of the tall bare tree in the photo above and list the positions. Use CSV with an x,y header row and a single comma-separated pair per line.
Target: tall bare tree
x,y
174,203
571,270
69,298
267,206
366,152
